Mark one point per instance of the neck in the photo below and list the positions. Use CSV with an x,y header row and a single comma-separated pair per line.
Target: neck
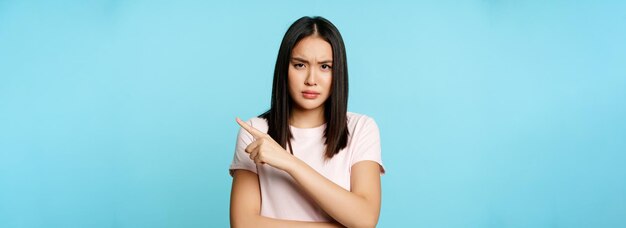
x,y
307,118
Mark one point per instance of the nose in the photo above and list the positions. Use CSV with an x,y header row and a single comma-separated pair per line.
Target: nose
x,y
311,78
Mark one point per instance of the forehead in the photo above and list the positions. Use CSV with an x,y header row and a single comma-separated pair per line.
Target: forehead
x,y
313,47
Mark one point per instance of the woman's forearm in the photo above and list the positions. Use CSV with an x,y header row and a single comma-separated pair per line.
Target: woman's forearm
x,y
344,206
262,221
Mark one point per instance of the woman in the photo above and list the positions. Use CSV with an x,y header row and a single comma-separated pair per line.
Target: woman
x,y
307,161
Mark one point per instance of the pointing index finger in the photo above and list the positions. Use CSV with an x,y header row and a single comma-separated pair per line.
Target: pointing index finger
x,y
253,131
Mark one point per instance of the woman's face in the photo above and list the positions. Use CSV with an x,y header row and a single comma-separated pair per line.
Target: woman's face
x,y
310,73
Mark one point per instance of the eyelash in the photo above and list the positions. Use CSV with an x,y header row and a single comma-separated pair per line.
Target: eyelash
x,y
325,66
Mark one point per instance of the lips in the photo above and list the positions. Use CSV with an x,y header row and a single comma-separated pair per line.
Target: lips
x,y
310,94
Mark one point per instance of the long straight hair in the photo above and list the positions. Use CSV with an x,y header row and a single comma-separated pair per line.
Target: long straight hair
x,y
335,107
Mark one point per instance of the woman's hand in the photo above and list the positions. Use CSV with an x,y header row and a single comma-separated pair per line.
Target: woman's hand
x,y
264,150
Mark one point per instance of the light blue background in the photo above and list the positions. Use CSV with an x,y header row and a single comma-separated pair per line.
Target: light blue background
x,y
492,113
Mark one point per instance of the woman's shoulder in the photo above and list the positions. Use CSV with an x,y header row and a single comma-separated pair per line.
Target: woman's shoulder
x,y
259,123
358,120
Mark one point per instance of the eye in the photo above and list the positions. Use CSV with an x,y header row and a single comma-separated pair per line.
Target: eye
x,y
326,67
298,65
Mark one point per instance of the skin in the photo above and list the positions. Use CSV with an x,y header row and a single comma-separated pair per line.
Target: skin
x,y
310,69
359,207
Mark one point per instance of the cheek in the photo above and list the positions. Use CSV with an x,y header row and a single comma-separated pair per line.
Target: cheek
x,y
328,82
292,80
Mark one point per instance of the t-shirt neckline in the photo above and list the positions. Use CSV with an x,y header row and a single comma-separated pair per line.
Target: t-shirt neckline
x,y
313,131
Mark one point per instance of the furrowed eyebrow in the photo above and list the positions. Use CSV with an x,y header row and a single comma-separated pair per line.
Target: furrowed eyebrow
x,y
305,61
299,60
325,62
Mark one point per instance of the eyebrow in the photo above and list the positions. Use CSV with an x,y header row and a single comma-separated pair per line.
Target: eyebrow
x,y
305,61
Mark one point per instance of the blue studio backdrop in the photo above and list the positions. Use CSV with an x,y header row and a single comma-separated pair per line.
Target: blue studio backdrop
x,y
492,113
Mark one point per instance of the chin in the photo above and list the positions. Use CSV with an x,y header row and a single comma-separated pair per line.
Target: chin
x,y
309,105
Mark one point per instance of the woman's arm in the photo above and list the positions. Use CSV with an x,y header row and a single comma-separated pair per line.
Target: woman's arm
x,y
359,207
245,205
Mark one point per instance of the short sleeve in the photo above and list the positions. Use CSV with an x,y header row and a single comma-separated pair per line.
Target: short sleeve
x,y
241,159
366,143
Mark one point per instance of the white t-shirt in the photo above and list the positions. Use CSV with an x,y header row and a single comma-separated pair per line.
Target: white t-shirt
x,y
281,197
